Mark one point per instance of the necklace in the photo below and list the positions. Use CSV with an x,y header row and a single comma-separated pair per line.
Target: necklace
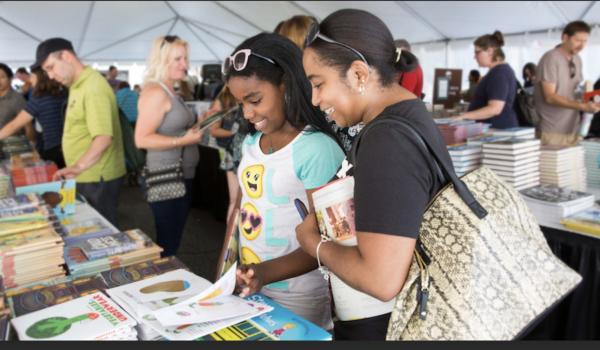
x,y
271,150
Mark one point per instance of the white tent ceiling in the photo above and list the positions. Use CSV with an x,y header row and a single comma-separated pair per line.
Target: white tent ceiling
x,y
115,31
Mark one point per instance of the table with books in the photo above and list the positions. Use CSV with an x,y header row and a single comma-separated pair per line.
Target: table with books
x,y
96,283
574,237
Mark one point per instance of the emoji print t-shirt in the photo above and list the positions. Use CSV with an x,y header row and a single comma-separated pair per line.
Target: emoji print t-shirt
x,y
268,217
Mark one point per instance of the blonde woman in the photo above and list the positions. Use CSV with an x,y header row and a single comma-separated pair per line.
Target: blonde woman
x,y
165,129
295,28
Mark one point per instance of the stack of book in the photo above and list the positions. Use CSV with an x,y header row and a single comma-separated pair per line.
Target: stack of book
x,y
30,171
551,203
73,231
25,300
519,132
592,160
465,157
15,145
587,221
36,296
457,131
30,248
479,140
81,265
90,317
515,161
563,167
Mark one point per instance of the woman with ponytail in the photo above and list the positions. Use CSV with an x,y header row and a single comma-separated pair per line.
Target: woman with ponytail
x,y
290,151
495,95
352,64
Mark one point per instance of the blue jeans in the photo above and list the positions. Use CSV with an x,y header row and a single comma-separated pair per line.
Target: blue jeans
x,y
169,219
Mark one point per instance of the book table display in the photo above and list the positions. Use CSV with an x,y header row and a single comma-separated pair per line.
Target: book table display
x,y
577,317
118,288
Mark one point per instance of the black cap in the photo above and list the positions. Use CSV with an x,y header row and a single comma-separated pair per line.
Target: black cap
x,y
49,46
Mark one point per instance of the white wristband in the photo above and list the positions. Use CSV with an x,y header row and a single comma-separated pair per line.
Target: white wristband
x,y
322,269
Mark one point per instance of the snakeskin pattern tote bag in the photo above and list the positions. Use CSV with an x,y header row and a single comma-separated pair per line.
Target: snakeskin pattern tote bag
x,y
482,269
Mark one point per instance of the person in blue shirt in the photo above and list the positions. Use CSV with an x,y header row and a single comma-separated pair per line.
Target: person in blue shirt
x,y
46,109
494,97
127,100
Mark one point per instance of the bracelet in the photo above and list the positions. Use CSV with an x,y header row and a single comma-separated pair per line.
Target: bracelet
x,y
324,270
175,141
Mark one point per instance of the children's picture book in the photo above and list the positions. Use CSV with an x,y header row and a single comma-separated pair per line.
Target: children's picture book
x,y
110,244
37,299
77,231
60,195
214,303
277,324
197,330
124,275
172,284
90,317
230,251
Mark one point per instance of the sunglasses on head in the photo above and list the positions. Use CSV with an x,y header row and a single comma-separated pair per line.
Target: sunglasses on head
x,y
239,60
168,39
314,33
572,69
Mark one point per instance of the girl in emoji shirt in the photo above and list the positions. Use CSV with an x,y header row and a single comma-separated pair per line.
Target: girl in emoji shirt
x,y
290,151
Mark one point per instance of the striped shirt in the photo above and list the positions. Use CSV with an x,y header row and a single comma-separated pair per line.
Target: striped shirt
x,y
47,110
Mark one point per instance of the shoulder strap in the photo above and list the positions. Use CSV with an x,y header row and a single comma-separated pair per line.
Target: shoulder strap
x,y
444,170
166,89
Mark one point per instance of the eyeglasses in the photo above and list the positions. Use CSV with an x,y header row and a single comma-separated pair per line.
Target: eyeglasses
x,y
239,60
168,39
572,69
314,33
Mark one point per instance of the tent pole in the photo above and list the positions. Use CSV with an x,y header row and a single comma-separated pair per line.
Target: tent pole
x,y
20,30
209,33
238,16
173,25
422,19
202,41
86,25
127,37
587,10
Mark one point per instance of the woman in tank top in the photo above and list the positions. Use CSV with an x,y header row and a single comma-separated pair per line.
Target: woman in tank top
x,y
164,128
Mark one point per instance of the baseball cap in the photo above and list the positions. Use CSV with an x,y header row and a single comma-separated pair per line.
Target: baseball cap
x,y
49,46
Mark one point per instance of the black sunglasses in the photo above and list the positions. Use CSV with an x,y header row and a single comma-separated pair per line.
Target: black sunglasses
x,y
572,69
168,39
314,33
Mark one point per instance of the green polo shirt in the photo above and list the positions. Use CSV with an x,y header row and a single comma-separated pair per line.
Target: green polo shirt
x,y
92,111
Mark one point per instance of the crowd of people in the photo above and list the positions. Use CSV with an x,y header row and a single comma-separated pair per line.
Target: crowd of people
x,y
297,98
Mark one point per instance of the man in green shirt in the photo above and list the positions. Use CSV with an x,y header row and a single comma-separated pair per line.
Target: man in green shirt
x,y
92,141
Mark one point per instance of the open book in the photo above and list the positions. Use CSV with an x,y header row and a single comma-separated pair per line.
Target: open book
x,y
182,306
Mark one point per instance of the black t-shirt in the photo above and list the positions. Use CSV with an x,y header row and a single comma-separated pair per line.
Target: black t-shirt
x,y
394,180
395,177
499,83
